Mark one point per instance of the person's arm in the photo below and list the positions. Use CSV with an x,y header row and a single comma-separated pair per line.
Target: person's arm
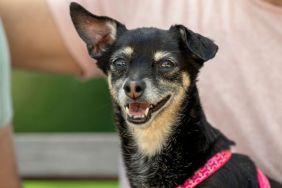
x,y
33,38
8,168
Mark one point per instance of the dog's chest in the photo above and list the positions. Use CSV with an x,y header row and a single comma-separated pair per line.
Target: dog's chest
x,y
154,172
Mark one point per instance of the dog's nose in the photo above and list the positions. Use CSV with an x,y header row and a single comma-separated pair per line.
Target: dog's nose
x,y
134,89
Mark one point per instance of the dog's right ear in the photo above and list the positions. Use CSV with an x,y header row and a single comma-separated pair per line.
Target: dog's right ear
x,y
98,32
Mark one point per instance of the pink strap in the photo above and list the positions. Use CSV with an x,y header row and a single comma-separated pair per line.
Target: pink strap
x,y
213,164
263,181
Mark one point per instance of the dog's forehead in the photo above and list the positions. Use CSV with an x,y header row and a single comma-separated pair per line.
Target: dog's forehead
x,y
148,39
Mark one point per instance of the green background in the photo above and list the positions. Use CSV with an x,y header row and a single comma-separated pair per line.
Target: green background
x,y
70,184
56,103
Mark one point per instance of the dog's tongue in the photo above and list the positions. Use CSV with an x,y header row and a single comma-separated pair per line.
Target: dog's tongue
x,y
138,109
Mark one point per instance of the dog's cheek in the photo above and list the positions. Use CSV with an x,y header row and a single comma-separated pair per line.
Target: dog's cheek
x,y
186,81
112,91
114,86
117,92
173,76
170,85
121,96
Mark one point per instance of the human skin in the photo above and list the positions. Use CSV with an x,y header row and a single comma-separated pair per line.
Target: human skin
x,y
34,40
35,44
8,173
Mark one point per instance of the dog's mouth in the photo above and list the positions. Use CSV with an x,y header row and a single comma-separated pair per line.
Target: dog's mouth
x,y
141,112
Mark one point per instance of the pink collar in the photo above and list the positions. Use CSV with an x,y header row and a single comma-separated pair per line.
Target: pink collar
x,y
211,166
214,164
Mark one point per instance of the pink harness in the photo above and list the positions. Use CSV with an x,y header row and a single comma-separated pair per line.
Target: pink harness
x,y
214,164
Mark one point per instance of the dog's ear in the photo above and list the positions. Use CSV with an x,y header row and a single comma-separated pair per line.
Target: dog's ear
x,y
98,32
202,48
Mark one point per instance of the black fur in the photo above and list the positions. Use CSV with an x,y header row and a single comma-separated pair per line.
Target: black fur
x,y
193,140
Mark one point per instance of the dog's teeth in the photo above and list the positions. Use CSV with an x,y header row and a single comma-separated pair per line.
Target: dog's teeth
x,y
146,111
127,110
151,106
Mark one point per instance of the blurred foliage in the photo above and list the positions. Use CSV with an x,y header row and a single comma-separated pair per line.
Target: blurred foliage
x,y
70,184
55,103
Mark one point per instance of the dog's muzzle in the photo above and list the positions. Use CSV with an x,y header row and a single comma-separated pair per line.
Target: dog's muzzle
x,y
141,112
137,108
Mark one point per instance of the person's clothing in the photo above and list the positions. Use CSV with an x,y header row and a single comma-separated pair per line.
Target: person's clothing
x,y
5,93
241,88
60,12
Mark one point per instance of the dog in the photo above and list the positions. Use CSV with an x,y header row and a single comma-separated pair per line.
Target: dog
x,y
165,137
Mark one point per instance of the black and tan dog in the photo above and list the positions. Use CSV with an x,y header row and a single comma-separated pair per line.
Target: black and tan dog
x,y
152,76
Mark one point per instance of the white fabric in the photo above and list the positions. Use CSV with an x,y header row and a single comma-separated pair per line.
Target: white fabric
x,y
5,95
241,89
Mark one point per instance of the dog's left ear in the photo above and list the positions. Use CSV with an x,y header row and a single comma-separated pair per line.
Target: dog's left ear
x,y
98,32
202,48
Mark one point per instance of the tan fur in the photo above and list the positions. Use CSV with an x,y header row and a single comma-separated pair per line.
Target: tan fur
x,y
151,138
185,79
128,51
160,55
112,91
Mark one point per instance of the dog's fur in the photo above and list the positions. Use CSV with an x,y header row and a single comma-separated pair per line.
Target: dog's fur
x,y
166,147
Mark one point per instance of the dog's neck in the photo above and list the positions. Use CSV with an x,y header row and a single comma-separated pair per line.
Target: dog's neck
x,y
188,145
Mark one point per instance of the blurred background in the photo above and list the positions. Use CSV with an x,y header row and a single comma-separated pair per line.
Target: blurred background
x,y
50,104
62,115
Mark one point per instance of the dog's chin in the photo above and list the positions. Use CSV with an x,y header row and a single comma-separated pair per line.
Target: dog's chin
x,y
141,113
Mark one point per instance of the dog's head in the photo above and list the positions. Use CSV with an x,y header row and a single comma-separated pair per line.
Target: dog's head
x,y
148,69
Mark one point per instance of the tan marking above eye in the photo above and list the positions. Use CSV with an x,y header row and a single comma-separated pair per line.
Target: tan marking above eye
x,y
126,51
160,55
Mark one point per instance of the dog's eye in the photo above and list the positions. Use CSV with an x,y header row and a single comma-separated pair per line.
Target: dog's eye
x,y
119,64
167,64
